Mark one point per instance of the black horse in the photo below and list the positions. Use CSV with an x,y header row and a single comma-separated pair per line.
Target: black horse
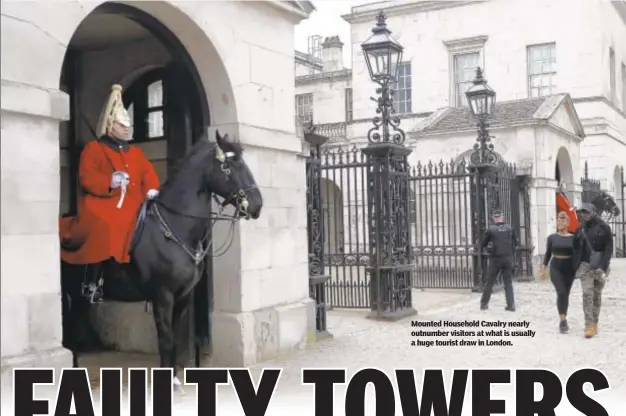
x,y
170,243
606,207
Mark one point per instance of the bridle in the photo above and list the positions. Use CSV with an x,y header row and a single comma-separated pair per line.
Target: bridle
x,y
237,198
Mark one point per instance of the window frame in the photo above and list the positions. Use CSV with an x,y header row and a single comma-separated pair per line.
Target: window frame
x,y
463,46
612,76
409,107
456,84
137,95
623,72
304,117
348,104
553,86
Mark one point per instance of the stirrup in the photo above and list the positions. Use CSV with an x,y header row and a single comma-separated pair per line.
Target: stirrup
x,y
93,291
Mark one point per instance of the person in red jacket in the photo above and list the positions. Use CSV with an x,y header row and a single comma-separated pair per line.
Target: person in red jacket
x,y
116,178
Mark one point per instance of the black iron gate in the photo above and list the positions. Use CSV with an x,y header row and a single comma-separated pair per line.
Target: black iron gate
x,y
448,206
591,187
618,223
443,221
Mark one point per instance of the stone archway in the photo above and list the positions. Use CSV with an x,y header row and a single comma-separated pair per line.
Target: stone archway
x,y
563,170
34,49
161,52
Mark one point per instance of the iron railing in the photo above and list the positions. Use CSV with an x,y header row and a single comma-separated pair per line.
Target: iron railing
x,y
442,223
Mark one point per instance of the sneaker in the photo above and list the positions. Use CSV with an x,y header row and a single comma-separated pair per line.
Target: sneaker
x,y
563,326
509,308
484,307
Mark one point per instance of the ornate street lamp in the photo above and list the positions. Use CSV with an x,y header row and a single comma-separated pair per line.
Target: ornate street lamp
x,y
383,55
482,100
389,239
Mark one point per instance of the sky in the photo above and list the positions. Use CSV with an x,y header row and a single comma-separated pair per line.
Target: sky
x,y
327,21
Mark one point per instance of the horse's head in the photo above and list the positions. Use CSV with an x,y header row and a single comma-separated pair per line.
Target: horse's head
x,y
606,204
233,181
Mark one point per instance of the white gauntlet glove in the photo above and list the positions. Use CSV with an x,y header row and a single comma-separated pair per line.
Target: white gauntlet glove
x,y
152,193
119,179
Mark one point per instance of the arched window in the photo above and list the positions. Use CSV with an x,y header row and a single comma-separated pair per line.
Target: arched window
x,y
145,104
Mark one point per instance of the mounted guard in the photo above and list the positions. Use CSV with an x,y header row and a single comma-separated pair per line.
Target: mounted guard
x,y
115,178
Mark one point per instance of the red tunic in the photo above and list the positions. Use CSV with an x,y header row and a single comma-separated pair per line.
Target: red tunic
x,y
101,230
563,204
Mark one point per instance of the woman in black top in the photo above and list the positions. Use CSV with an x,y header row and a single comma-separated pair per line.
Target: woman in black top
x,y
560,250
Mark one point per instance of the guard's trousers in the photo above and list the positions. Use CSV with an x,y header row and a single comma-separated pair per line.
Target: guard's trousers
x,y
499,264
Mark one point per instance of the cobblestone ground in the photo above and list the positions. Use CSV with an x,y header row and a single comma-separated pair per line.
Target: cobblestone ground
x,y
360,343
363,343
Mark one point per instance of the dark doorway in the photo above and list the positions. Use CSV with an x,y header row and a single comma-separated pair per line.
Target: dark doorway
x,y
119,44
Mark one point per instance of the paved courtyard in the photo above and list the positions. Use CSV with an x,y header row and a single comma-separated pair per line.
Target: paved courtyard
x,y
360,343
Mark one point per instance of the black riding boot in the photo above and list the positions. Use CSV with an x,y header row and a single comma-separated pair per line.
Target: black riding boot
x,y
92,283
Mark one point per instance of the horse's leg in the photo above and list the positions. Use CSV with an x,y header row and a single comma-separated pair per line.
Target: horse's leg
x,y
180,325
163,309
69,281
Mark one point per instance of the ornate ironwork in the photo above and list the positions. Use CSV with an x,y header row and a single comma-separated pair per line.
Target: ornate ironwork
x,y
483,154
389,235
591,187
618,223
386,126
317,277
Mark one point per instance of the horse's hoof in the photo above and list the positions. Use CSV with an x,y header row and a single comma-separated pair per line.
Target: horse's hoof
x,y
177,387
178,390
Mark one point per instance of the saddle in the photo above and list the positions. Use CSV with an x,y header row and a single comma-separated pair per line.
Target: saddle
x,y
139,225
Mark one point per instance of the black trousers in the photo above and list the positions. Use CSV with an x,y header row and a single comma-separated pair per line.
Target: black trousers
x,y
562,276
497,265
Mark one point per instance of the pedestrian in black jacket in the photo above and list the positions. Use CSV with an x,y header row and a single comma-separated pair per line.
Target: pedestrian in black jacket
x,y
593,261
504,241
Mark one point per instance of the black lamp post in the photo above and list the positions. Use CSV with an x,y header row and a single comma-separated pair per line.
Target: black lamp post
x,y
382,56
482,100
387,186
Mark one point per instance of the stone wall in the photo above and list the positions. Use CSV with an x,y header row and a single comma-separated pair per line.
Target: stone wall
x,y
244,55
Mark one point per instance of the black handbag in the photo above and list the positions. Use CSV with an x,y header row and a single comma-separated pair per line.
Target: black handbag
x,y
596,257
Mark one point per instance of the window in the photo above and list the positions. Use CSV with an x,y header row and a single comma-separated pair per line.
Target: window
x,y
465,65
541,70
623,87
402,88
613,92
348,105
304,107
144,102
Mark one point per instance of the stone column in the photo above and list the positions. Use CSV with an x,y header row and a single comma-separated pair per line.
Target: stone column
x,y
31,300
262,307
542,215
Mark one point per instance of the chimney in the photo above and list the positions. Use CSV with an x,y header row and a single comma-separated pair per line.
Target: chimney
x,y
332,54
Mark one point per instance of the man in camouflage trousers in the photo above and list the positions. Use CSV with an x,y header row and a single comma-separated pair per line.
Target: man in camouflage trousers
x,y
594,258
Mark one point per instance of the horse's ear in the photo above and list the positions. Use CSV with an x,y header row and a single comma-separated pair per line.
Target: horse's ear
x,y
220,139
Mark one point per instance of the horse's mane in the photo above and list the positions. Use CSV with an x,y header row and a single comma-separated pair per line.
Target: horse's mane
x,y
201,148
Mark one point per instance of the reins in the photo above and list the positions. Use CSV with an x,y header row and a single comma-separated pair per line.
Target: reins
x,y
237,198
206,243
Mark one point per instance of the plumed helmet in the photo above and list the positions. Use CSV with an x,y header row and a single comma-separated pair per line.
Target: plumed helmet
x,y
113,111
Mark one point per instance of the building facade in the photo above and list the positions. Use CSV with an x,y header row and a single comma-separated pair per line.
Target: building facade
x,y
561,91
234,60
